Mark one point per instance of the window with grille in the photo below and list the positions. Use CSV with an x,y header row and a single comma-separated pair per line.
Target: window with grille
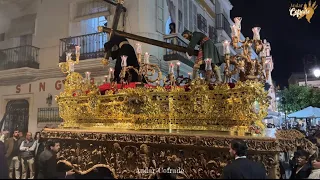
x,y
212,34
89,26
180,21
91,43
202,23
160,16
195,12
185,14
91,7
180,17
190,15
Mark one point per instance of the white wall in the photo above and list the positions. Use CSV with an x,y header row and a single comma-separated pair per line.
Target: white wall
x,y
52,25
36,97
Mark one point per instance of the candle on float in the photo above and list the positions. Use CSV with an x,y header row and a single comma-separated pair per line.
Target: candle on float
x,y
68,56
71,66
111,73
263,53
178,68
208,64
78,49
256,33
139,49
124,61
171,68
146,58
88,75
234,31
107,79
226,47
237,21
189,75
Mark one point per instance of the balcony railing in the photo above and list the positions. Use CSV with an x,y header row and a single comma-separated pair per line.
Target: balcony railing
x,y
170,55
19,57
49,115
223,23
92,46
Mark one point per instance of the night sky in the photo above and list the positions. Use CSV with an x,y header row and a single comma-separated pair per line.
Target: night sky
x,y
291,39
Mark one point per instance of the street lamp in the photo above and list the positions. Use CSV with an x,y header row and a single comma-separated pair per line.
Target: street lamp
x,y
316,72
310,60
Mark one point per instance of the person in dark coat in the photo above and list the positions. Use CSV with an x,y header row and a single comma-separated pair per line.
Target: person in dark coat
x,y
39,149
124,48
12,146
4,170
241,167
47,163
302,168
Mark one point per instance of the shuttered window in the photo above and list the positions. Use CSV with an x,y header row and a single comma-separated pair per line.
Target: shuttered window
x,y
23,25
195,12
212,34
202,23
185,14
190,15
91,7
160,16
180,17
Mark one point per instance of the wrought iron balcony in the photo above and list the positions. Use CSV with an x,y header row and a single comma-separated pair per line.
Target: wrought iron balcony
x,y
170,55
92,46
49,115
223,23
19,57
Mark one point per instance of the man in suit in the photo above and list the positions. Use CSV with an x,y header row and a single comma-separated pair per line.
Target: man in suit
x,y
241,167
47,162
12,146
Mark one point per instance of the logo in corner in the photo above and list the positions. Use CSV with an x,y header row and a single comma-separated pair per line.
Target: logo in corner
x,y
306,10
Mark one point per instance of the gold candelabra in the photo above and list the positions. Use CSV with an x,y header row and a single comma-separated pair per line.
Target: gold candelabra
x,y
68,66
244,65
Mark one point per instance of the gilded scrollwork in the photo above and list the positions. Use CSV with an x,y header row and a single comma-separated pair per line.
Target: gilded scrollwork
x,y
132,154
201,107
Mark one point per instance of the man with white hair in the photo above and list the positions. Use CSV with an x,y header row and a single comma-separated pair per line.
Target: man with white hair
x,y
27,148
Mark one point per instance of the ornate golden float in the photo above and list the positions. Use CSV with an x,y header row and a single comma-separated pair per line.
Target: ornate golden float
x,y
194,104
183,124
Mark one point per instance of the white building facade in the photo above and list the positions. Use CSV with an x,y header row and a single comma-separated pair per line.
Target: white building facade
x,y
35,34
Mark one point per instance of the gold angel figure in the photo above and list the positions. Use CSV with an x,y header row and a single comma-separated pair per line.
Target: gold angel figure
x,y
309,10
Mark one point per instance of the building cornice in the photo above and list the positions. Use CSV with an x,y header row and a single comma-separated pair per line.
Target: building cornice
x,y
209,10
25,75
227,5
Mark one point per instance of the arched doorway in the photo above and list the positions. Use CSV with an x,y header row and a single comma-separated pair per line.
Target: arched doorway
x,y
17,116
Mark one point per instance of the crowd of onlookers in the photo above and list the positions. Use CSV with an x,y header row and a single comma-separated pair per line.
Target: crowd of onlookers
x,y
20,154
301,165
26,157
